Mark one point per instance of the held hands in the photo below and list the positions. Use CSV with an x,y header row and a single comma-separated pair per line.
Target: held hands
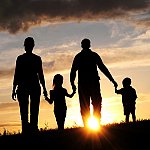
x,y
74,88
14,95
46,97
49,100
74,91
45,93
115,84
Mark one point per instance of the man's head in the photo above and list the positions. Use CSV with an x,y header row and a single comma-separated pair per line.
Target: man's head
x,y
29,44
85,43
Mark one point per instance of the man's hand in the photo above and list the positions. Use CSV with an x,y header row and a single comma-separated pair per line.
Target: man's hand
x,y
115,84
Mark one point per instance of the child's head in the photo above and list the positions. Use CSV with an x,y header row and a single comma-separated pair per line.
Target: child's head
x,y
58,80
126,82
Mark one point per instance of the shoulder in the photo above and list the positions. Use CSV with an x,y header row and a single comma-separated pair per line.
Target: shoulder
x,y
77,57
36,56
78,54
20,56
25,55
96,55
133,89
134,92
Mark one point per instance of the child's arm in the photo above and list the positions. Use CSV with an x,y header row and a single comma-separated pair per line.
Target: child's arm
x,y
70,95
118,91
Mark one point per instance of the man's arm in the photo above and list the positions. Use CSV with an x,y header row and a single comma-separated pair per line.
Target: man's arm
x,y
105,71
15,81
73,74
42,80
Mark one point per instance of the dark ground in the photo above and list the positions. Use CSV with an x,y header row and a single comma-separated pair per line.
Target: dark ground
x,y
111,137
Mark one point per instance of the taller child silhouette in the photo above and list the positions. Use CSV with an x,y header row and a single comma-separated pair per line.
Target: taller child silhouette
x,y
86,63
26,84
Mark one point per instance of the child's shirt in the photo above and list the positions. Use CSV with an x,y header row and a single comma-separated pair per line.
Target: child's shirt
x,y
58,96
129,95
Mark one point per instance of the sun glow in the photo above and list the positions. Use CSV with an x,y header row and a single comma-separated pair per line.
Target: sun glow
x,y
93,123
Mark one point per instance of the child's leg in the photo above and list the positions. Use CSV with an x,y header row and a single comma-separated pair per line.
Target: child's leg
x,y
60,118
57,117
127,118
133,116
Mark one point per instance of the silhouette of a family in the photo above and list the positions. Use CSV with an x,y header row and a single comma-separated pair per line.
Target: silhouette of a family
x,y
29,77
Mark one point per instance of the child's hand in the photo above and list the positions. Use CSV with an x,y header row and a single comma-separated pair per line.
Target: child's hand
x,y
73,93
74,88
48,100
45,93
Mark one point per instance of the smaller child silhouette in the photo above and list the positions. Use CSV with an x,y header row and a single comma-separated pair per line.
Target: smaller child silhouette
x,y
129,97
57,95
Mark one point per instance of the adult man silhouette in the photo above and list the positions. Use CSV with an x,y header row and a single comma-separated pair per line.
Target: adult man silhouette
x,y
86,63
26,84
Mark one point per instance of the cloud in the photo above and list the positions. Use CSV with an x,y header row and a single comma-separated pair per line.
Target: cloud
x,y
9,124
144,36
56,63
19,15
113,56
6,72
51,63
117,55
135,55
8,106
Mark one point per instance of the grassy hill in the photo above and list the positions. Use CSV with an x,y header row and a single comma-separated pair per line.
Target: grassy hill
x,y
119,136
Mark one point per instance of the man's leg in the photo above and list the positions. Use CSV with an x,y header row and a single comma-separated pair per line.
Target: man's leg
x,y
23,99
96,100
34,111
84,100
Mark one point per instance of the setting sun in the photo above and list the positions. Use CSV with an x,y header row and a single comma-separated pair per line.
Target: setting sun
x,y
93,123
